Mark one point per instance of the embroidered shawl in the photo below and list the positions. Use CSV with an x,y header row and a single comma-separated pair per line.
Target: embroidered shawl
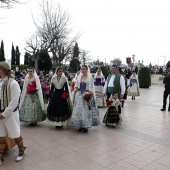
x,y
5,93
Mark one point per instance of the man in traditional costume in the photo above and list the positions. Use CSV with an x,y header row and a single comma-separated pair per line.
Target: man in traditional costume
x,y
114,83
9,115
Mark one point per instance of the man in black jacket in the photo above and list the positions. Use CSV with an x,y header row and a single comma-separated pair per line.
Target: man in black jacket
x,y
166,91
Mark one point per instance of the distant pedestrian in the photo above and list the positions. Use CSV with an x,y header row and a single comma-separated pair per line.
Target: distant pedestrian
x,y
134,86
166,91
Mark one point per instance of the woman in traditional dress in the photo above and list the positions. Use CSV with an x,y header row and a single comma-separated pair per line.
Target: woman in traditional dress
x,y
31,103
85,111
99,82
60,108
134,86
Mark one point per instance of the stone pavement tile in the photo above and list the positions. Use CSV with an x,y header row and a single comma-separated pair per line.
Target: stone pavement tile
x,y
134,148
89,152
104,147
137,160
120,153
72,158
142,143
75,146
161,149
165,160
121,165
105,159
155,166
151,154
87,165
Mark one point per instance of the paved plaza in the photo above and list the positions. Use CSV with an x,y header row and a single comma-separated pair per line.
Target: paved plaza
x,y
142,142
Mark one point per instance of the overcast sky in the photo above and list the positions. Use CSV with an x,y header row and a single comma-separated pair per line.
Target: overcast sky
x,y
109,28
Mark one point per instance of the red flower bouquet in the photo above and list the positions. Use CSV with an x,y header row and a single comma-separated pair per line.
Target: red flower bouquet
x,y
87,97
64,95
108,102
31,88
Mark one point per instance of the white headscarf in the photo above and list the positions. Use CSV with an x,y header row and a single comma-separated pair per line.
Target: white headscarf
x,y
38,87
89,79
63,75
101,74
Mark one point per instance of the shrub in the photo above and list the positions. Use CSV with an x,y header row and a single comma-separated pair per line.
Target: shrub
x,y
160,70
144,77
105,71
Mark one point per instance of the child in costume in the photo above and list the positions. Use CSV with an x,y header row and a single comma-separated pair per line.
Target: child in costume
x,y
113,113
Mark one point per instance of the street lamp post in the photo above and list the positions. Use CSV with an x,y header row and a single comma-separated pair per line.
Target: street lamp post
x,y
164,61
133,58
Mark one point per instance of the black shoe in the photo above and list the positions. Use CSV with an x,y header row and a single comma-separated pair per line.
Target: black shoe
x,y
32,124
85,130
59,127
80,129
169,109
134,98
163,109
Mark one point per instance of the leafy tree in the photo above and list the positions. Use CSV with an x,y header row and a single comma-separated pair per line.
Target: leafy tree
x,y
168,64
144,77
17,55
13,55
2,54
44,62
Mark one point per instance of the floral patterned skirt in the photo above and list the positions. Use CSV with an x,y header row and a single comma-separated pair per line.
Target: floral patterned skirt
x,y
31,111
82,116
99,96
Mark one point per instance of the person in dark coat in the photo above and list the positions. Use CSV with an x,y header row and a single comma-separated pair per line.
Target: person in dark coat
x,y
166,91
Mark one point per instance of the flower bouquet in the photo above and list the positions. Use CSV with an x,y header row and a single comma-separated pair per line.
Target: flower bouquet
x,y
88,97
108,102
64,95
31,89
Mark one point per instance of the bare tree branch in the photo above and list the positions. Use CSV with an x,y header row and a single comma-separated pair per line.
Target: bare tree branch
x,y
54,31
8,3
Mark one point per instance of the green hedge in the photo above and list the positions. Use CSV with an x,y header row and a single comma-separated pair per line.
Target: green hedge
x,y
144,77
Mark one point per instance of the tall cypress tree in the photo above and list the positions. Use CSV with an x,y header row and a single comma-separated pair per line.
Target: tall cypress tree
x,y
2,54
13,55
76,51
17,55
28,59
